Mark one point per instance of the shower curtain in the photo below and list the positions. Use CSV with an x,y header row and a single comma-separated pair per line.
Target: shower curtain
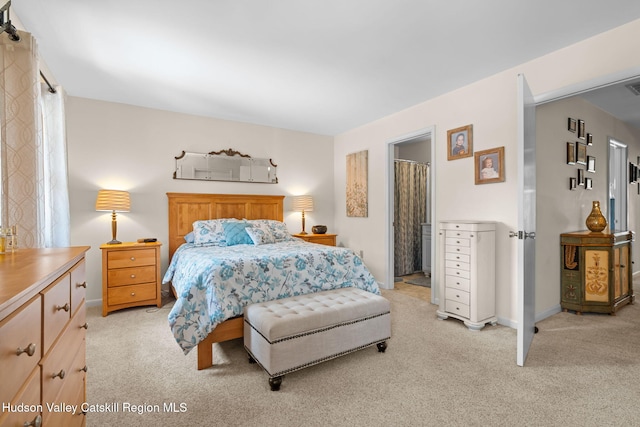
x,y
410,211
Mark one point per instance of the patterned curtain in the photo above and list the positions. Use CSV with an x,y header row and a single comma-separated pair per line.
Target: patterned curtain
x,y
409,213
25,154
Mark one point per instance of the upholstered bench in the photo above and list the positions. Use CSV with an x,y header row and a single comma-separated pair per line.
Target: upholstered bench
x,y
289,334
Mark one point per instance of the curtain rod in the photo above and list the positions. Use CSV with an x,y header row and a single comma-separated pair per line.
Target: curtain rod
x,y
51,89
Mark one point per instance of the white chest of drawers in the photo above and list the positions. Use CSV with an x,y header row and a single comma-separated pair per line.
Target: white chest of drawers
x,y
467,272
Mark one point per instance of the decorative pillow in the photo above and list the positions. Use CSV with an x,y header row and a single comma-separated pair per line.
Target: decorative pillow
x,y
235,234
277,228
189,237
210,232
260,235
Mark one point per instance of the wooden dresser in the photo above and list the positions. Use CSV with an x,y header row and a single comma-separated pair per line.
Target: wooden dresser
x,y
42,337
323,239
596,273
130,275
467,272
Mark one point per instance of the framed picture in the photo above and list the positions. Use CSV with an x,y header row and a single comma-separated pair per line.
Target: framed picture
x,y
588,184
460,142
572,183
589,139
581,153
580,176
591,164
571,153
581,129
572,125
489,165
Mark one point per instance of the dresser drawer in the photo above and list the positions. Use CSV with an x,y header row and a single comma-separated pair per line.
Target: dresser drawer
x,y
453,241
131,258
71,392
30,397
457,295
56,309
465,250
457,308
131,276
457,256
454,272
457,283
58,365
457,264
459,234
78,285
19,331
131,293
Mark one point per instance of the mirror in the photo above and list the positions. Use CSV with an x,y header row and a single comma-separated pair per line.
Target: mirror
x,y
225,165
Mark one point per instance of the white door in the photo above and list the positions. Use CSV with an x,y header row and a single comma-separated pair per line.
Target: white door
x,y
526,218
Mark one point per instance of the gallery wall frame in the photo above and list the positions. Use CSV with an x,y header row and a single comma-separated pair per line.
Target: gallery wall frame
x,y
489,166
460,142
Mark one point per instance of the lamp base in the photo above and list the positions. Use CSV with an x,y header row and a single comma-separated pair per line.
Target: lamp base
x,y
303,232
114,242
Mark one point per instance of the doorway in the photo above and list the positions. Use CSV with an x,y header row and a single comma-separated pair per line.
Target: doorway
x,y
416,147
618,186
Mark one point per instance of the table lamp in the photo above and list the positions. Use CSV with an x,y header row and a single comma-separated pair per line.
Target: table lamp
x,y
302,204
114,201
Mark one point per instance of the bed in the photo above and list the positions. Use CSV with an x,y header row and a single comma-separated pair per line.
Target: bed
x,y
212,282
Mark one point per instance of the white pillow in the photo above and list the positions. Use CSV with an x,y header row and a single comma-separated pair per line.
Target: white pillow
x,y
260,234
210,232
278,229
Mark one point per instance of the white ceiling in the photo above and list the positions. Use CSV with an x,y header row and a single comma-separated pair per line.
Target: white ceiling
x,y
323,66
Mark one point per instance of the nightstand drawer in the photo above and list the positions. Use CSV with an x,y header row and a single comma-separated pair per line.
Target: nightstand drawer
x,y
131,293
131,258
131,276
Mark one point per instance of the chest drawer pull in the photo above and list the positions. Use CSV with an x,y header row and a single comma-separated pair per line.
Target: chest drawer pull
x,y
65,307
133,294
82,285
84,369
85,326
132,258
60,374
133,276
37,422
30,350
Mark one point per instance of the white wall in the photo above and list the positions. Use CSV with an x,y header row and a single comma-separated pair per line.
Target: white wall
x,y
490,105
131,148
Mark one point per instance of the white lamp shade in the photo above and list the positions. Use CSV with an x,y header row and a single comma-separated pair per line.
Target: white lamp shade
x,y
113,200
302,203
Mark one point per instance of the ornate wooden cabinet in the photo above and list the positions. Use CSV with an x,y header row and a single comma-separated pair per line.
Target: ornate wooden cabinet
x,y
596,273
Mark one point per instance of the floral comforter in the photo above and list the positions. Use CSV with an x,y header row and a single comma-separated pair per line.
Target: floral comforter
x,y
214,283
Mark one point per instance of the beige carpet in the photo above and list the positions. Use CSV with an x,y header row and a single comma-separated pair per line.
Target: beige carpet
x,y
581,371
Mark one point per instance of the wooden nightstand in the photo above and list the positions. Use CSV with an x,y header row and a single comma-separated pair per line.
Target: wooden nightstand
x,y
323,239
130,275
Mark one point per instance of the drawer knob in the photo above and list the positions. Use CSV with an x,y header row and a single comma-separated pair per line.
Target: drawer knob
x,y
65,307
85,326
133,294
82,285
133,258
133,276
37,422
84,369
60,374
30,350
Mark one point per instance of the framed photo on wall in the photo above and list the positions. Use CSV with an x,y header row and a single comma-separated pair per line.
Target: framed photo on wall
x,y
460,142
571,153
572,125
489,165
581,129
581,153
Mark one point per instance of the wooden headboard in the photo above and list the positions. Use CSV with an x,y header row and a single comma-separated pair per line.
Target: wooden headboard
x,y
185,208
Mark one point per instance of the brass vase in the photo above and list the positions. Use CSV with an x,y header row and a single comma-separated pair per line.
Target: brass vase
x,y
596,221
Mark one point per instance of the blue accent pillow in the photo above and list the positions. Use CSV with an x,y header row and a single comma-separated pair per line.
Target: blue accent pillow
x,y
235,233
189,237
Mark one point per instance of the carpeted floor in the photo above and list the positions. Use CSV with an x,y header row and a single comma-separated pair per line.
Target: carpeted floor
x,y
581,371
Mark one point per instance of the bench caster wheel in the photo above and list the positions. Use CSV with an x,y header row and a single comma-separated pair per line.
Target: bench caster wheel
x,y
275,383
382,346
